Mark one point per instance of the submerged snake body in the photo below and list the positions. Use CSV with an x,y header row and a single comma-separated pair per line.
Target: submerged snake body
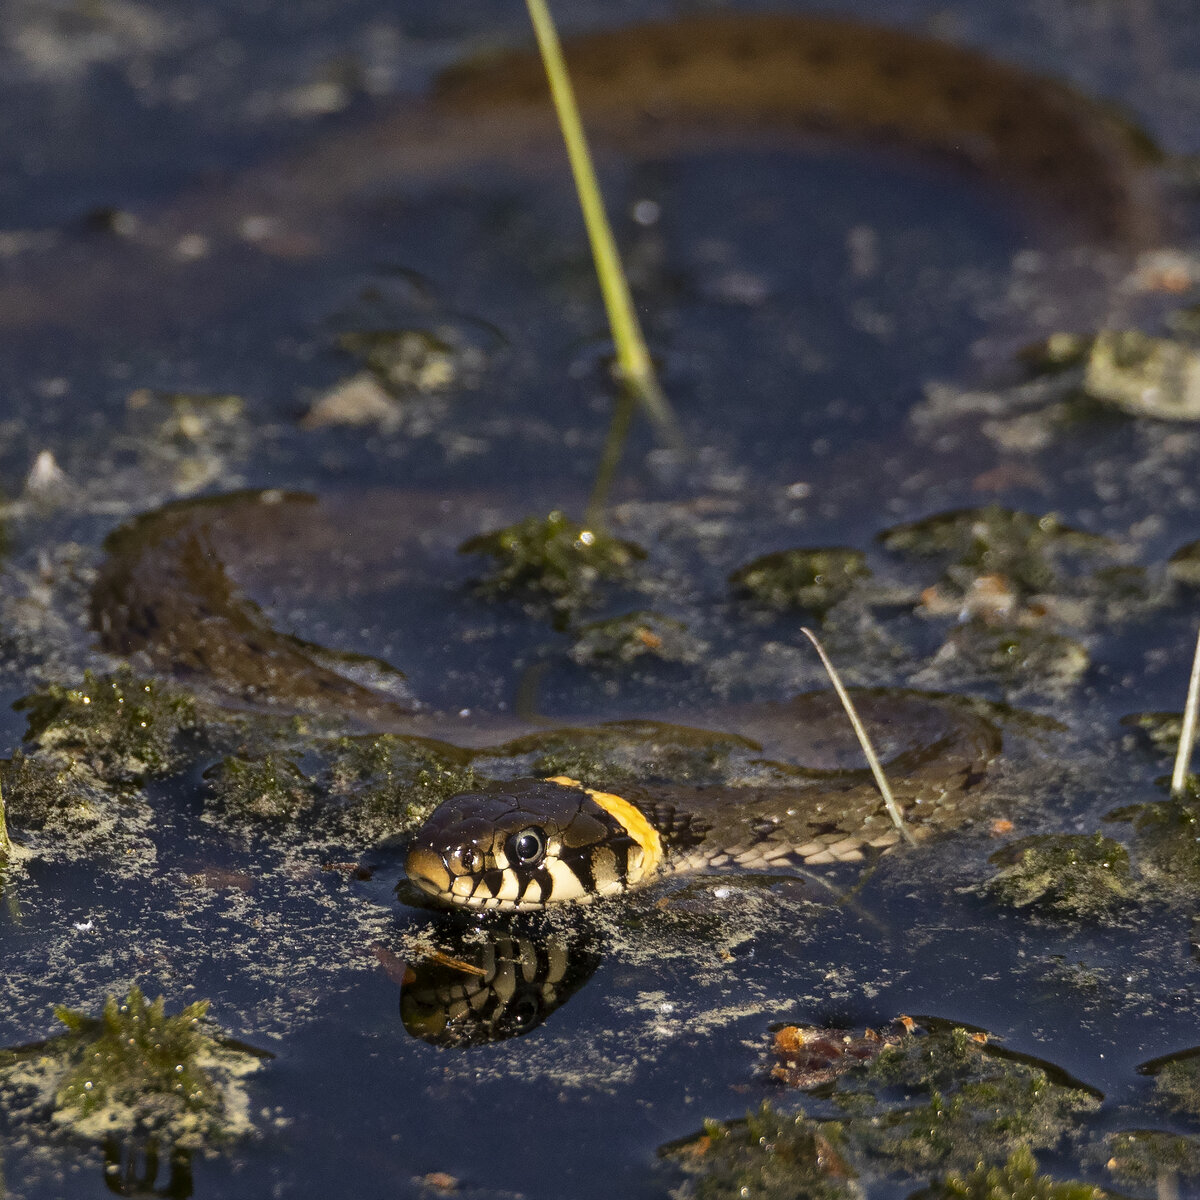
x,y
725,79
649,91
167,595
530,843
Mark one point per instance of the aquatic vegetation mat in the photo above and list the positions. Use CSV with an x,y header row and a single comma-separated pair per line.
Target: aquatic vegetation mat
x,y
918,1102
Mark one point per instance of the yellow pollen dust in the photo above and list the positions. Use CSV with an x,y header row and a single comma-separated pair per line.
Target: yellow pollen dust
x,y
631,819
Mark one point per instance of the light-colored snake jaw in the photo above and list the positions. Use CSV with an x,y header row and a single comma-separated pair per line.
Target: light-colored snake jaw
x,y
425,868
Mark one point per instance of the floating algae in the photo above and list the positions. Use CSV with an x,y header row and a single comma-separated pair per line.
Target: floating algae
x,y
963,1102
634,637
1032,553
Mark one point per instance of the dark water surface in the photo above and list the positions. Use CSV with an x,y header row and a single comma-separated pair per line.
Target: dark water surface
x,y
807,303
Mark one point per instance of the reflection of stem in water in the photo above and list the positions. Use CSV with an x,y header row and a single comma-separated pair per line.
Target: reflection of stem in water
x,y
1187,733
5,843
122,1177
634,364
610,458
848,899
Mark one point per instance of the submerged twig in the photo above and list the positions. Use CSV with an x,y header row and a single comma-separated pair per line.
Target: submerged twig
x,y
1187,734
864,740
634,363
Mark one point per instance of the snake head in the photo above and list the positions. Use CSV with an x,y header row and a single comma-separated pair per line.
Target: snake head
x,y
528,843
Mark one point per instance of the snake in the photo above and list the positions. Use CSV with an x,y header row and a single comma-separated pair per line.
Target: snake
x,y
654,90
169,594
526,844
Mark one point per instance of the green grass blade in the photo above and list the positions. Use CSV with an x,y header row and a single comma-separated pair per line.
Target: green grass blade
x,y
633,358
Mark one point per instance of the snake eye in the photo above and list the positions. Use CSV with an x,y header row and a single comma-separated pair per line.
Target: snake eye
x,y
527,847
465,860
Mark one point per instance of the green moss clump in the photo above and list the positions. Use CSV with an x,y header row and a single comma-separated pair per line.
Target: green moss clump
x,y
133,1051
1177,1085
386,786
1144,376
813,579
943,1102
407,361
136,1073
359,790
1019,653
1159,729
268,791
552,562
1141,1157
1016,1180
1184,565
123,728
1031,552
767,1156
633,636
50,795
1077,876
1168,840
1127,371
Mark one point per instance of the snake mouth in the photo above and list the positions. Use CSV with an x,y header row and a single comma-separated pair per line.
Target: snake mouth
x,y
425,868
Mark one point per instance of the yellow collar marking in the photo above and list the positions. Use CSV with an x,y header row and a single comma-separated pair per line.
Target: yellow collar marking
x,y
630,818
